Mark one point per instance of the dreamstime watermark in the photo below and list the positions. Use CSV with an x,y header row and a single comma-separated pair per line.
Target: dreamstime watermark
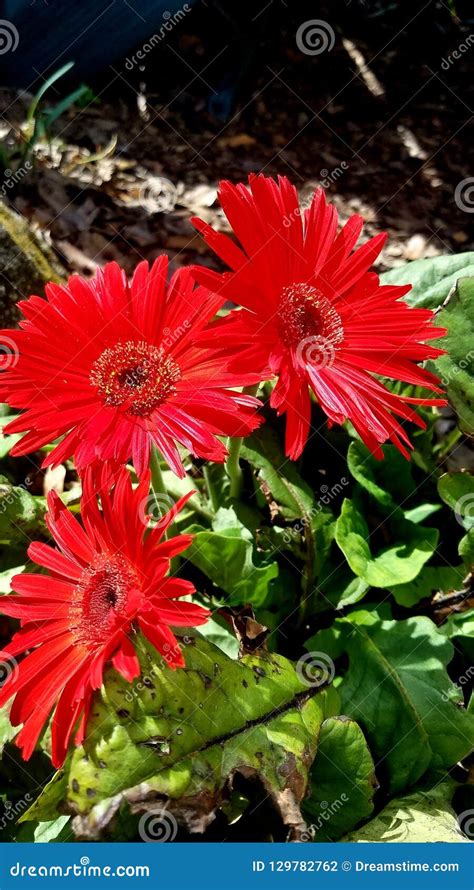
x,y
317,351
169,22
13,810
9,37
464,510
9,353
326,495
8,669
158,507
315,669
171,336
9,493
145,683
158,195
328,810
464,195
462,365
327,178
466,823
458,53
158,827
314,37
13,177
464,680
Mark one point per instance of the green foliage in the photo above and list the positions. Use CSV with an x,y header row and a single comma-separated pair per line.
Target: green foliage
x,y
396,686
303,545
21,514
422,817
343,780
397,563
431,279
456,367
186,733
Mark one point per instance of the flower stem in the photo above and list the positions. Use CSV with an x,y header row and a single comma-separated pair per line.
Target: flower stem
x,y
211,488
157,482
232,466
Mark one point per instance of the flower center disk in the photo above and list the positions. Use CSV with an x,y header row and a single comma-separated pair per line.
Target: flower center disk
x,y
135,376
100,600
308,321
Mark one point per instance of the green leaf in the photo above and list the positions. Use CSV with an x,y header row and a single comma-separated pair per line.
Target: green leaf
x,y
457,491
7,442
456,368
21,514
401,562
186,733
432,279
57,830
7,731
466,550
422,817
431,580
343,780
278,474
383,479
229,559
397,688
6,577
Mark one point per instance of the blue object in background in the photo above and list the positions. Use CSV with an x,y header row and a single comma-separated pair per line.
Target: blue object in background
x,y
92,33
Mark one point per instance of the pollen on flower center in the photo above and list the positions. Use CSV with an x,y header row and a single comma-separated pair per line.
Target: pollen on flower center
x,y
135,376
100,599
306,314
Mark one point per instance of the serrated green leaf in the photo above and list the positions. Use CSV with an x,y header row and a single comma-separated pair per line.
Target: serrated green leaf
x,y
343,780
422,817
399,563
397,688
431,279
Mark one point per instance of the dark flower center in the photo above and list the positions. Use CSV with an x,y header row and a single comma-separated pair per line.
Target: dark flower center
x,y
135,376
100,599
308,321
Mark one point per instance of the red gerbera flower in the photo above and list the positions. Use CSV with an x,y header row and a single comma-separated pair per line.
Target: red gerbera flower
x,y
318,318
117,366
105,581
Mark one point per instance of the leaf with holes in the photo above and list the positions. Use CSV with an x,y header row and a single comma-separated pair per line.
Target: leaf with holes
x,y
180,737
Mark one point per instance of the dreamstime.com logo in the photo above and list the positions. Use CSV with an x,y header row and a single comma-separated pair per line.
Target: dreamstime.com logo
x,y
464,510
328,810
9,354
464,195
81,869
156,507
169,22
9,37
158,195
159,827
325,496
316,669
315,37
12,178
